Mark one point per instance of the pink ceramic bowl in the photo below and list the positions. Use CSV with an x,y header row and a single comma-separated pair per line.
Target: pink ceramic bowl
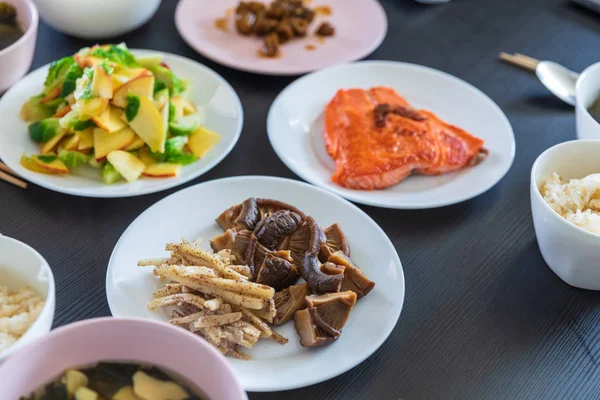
x,y
15,60
119,339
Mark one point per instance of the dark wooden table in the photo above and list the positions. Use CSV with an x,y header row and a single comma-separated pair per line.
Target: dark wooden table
x,y
484,317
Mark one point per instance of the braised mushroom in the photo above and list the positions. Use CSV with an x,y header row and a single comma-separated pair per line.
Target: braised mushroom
x,y
268,207
240,246
334,240
322,322
277,273
332,269
270,230
354,279
288,301
305,239
255,255
224,241
319,281
241,216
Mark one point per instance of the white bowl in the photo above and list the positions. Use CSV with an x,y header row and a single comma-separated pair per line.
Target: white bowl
x,y
571,252
21,265
91,19
587,91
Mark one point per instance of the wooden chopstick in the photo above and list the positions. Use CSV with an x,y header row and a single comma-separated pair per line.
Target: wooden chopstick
x,y
11,179
525,62
5,168
533,61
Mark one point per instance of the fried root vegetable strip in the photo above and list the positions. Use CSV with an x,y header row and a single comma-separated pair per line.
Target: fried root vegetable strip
x,y
168,290
203,257
225,256
150,262
278,338
241,333
242,269
213,304
183,270
267,313
196,283
206,321
244,288
176,299
239,355
247,316
188,319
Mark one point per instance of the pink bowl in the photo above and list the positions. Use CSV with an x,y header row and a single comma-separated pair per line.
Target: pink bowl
x,y
120,339
15,60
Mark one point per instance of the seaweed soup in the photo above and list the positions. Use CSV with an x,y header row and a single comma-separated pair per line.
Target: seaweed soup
x,y
116,381
10,29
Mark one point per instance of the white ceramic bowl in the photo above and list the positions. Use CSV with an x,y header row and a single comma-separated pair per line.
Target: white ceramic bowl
x,y
587,91
21,265
571,252
15,60
91,19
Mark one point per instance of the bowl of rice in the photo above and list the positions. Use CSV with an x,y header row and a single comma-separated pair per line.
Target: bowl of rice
x,y
27,295
565,206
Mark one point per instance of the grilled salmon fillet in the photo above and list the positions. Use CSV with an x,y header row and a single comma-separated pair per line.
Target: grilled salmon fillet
x,y
377,140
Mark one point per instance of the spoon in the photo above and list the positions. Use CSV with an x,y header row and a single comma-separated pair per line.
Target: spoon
x,y
559,80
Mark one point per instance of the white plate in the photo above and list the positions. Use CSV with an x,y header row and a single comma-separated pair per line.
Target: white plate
x,y
221,104
295,128
191,213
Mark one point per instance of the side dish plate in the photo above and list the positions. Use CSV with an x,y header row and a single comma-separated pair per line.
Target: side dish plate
x,y
191,214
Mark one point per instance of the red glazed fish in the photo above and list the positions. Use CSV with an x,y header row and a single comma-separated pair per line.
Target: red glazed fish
x,y
377,140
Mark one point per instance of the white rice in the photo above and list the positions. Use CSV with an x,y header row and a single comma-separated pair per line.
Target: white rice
x,y
18,311
578,201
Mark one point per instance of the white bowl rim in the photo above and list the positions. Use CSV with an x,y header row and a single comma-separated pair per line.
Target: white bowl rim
x,y
35,19
578,86
69,328
50,301
573,227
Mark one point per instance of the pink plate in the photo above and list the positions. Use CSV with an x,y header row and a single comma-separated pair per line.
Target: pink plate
x,y
360,26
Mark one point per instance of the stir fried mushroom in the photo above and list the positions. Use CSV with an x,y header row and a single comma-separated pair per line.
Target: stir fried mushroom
x,y
272,229
288,301
284,31
299,26
264,25
270,47
334,240
277,273
322,322
319,281
325,29
354,279
244,23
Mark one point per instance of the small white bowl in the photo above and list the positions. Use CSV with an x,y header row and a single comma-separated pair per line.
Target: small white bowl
x,y
21,265
571,252
92,19
587,91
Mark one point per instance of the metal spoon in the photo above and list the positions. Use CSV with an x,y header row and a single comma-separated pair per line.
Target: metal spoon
x,y
559,80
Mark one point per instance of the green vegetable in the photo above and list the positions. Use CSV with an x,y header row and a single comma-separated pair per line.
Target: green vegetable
x,y
132,107
33,111
44,130
172,112
46,159
109,174
159,85
75,72
95,164
79,125
117,53
174,152
72,158
88,77
186,125
57,72
105,65
180,86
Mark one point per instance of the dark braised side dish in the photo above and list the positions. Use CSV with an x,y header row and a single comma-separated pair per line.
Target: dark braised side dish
x,y
10,30
278,23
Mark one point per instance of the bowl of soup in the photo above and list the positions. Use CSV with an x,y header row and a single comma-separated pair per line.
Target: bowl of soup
x,y
18,33
119,358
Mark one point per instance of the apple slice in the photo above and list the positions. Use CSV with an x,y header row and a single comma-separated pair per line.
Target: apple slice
x,y
111,119
51,144
86,139
150,61
178,103
188,107
52,95
142,86
148,124
90,108
69,143
28,163
51,164
81,60
202,140
128,165
131,73
101,83
105,143
144,155
136,144
162,170
162,97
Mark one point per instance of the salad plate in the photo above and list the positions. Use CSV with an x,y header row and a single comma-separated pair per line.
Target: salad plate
x,y
215,99
296,121
273,366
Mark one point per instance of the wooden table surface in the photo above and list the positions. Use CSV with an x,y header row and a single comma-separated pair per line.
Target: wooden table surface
x,y
484,317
